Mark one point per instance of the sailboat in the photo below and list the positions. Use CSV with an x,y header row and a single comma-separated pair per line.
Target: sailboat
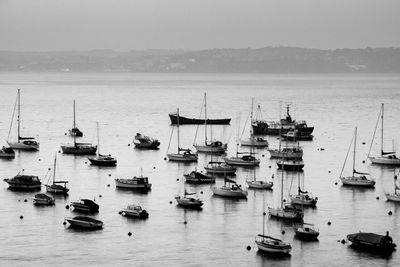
x,y
252,140
57,187
99,159
230,189
287,152
75,130
287,211
258,184
187,155
213,146
79,148
355,180
186,201
22,143
270,244
395,196
385,158
303,198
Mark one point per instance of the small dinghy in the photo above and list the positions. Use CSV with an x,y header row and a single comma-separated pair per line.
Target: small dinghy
x,y
372,242
85,206
43,200
136,211
196,177
84,222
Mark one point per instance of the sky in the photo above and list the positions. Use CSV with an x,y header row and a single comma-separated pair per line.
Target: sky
x,y
123,25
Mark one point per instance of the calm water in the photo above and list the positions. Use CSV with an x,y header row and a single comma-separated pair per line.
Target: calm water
x,y
218,235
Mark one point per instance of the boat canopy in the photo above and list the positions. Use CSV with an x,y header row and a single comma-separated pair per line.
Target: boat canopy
x,y
372,238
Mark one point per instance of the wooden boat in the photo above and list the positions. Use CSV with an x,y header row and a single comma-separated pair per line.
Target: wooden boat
x,y
196,177
136,211
253,141
7,153
22,143
357,178
57,187
283,126
145,142
209,146
84,222
99,159
220,167
24,182
385,158
43,200
395,196
85,205
75,130
290,165
186,201
230,189
295,135
184,120
306,231
141,182
186,156
373,242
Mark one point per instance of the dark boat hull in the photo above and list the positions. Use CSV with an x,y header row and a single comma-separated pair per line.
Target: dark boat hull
x,y
290,167
184,120
261,128
105,163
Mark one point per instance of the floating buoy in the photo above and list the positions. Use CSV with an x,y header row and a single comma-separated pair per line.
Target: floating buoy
x,y
248,247
19,200
49,169
129,233
85,162
100,195
119,212
329,171
65,133
390,213
154,168
317,149
21,217
363,143
284,200
108,185
322,149
283,232
170,202
377,197
25,200
129,144
363,161
177,179
263,155
67,207
395,177
264,213
329,223
185,222
335,183
269,166
109,174
64,222
59,151
39,159
165,158
343,241
201,192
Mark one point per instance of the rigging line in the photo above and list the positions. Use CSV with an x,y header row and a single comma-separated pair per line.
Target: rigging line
x,y
198,125
244,127
345,160
170,138
12,120
373,136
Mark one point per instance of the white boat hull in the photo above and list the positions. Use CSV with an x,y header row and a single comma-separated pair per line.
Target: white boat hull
x,y
22,146
299,200
120,183
385,161
287,155
260,184
272,249
282,214
254,143
229,193
393,197
356,181
241,162
211,149
183,157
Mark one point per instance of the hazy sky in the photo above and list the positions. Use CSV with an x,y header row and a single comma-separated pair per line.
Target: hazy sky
x,y
42,25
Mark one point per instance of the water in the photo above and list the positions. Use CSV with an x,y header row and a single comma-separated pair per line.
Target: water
x,y
218,235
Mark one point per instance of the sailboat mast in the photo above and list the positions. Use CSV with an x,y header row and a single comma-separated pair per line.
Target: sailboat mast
x,y
177,126
19,113
98,139
205,118
382,131
283,164
54,168
74,135
354,153
74,115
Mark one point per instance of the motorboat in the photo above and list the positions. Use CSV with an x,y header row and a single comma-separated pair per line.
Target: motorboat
x,y
306,231
136,211
230,189
385,157
56,187
85,205
145,142
246,159
372,242
24,182
84,222
22,143
290,165
196,177
358,179
141,182
79,148
7,153
220,167
43,200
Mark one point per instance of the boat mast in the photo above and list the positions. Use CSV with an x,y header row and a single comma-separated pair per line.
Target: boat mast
x,y
19,113
382,132
177,126
205,118
54,168
98,139
354,153
74,126
74,135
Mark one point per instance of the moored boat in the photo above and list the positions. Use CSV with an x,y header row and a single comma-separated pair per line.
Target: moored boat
x,y
186,201
373,242
306,231
247,159
287,153
140,183
79,148
84,222
85,205
145,142
196,177
230,189
57,187
43,200
296,135
136,211
395,196
259,184
220,167
75,131
184,120
24,182
99,159
7,153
